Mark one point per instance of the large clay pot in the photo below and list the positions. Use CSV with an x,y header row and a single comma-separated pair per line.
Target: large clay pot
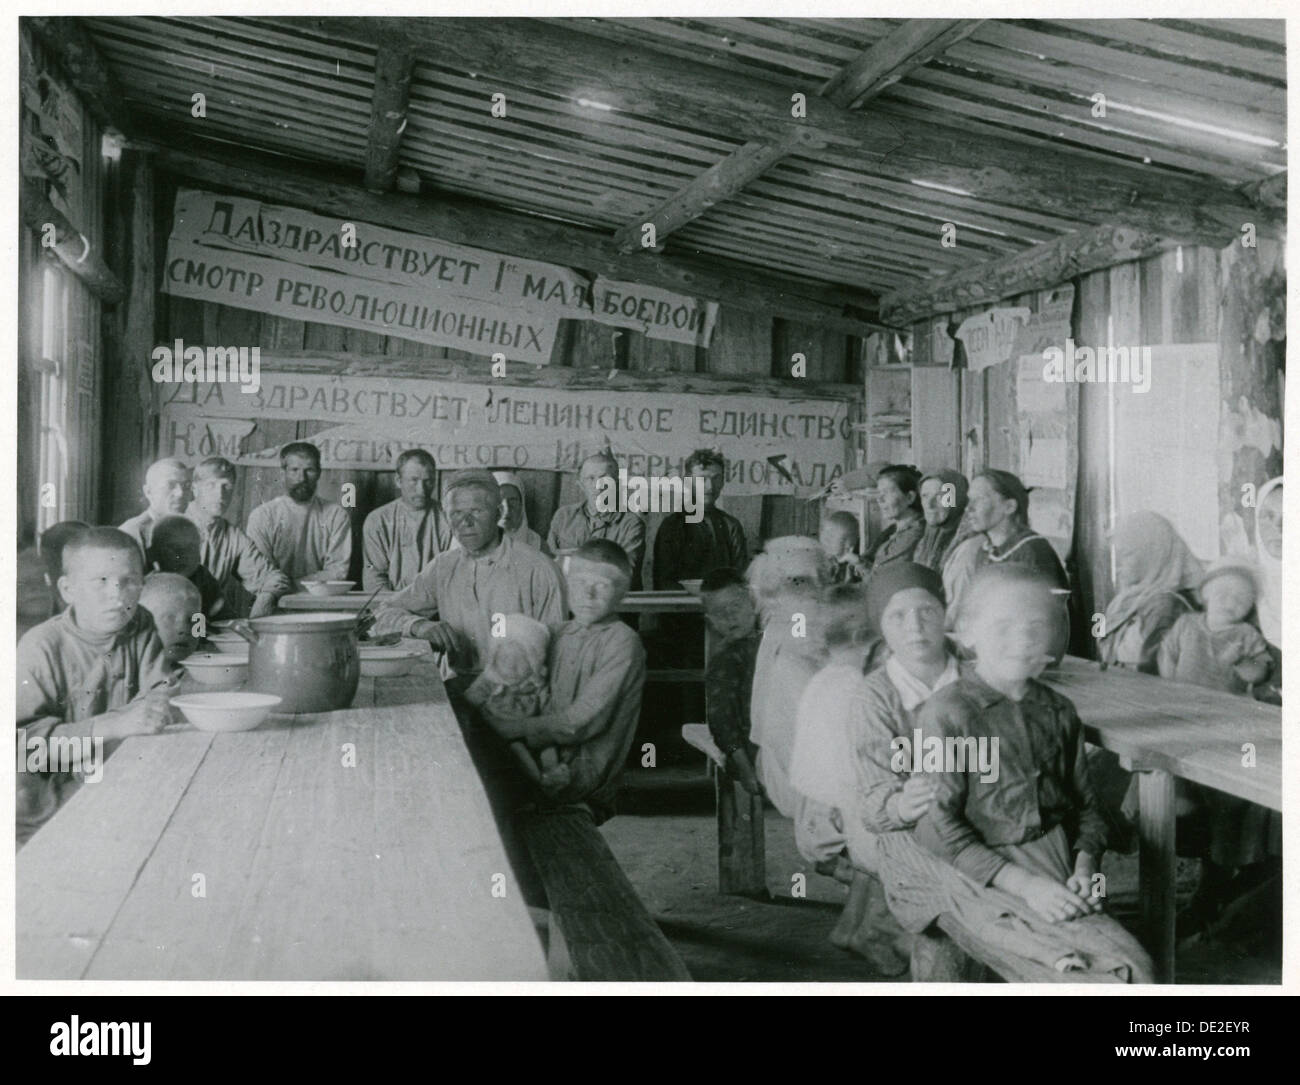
x,y
309,660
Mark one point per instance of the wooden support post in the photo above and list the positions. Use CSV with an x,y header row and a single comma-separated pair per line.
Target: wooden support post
x,y
70,244
1158,864
394,65
742,862
68,39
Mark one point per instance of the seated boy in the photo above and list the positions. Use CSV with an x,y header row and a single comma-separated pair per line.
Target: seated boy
x,y
175,547
839,538
597,669
513,687
173,601
53,540
729,675
826,831
95,672
1014,811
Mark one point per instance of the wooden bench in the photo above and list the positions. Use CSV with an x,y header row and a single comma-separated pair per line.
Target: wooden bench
x,y
598,927
742,864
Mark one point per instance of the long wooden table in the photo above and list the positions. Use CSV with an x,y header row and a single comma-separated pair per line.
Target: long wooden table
x,y
262,856
1164,730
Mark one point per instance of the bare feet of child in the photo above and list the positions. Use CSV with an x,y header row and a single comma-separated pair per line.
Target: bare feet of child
x,y
556,779
877,937
855,911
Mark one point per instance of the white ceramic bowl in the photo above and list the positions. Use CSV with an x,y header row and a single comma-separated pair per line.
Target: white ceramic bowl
x,y
228,643
217,669
386,662
328,587
226,711
692,586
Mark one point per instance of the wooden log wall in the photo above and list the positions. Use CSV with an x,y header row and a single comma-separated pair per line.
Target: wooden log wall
x,y
743,343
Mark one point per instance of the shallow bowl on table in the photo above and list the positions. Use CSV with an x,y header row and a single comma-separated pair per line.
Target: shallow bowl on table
x,y
692,586
386,662
328,587
228,643
217,669
229,711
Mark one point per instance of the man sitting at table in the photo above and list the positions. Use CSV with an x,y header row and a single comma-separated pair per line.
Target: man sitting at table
x,y
167,489
573,525
249,583
470,588
402,537
597,670
304,536
95,672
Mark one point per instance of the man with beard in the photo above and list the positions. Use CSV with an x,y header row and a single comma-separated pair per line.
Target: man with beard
x,y
402,537
241,569
303,535
167,489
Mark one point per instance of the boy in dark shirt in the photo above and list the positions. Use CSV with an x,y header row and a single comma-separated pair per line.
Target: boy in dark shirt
x,y
729,676
176,547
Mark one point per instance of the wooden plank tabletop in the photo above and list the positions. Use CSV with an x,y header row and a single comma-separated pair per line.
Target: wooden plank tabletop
x,y
1189,731
310,870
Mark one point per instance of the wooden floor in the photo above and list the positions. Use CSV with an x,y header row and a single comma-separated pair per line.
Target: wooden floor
x,y
666,843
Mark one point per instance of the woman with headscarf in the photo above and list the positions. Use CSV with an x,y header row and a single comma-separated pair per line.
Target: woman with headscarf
x,y
899,497
515,517
943,502
1154,579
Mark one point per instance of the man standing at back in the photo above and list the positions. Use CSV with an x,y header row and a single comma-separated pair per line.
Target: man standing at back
x,y
303,535
573,525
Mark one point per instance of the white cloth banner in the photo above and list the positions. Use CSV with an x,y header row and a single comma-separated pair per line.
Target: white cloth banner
x,y
772,446
437,269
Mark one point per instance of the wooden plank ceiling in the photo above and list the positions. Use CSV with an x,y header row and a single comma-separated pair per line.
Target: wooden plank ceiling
x,y
1195,115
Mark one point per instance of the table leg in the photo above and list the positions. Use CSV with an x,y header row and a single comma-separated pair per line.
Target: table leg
x,y
1158,863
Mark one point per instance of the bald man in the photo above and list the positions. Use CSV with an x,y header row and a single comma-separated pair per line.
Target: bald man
x,y
167,490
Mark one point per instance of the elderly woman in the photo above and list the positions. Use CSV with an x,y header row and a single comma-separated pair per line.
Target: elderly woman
x,y
515,518
943,502
1155,577
898,495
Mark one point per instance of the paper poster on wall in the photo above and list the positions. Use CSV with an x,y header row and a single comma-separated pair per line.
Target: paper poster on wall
x,y
1166,442
772,446
989,337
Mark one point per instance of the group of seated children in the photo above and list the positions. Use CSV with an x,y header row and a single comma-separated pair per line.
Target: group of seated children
x,y
566,699
923,762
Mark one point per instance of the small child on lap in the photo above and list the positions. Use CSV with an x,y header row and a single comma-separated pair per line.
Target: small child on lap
x,y
513,687
173,601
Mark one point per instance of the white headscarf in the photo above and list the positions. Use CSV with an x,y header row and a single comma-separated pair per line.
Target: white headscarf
x,y
1268,604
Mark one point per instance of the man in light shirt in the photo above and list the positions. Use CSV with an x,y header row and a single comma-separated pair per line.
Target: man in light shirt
x,y
402,537
303,535
489,575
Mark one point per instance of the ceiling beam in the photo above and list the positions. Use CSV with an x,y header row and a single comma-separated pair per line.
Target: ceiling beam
x,y
394,66
1270,192
914,43
469,222
904,49
86,68
1039,268
656,86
